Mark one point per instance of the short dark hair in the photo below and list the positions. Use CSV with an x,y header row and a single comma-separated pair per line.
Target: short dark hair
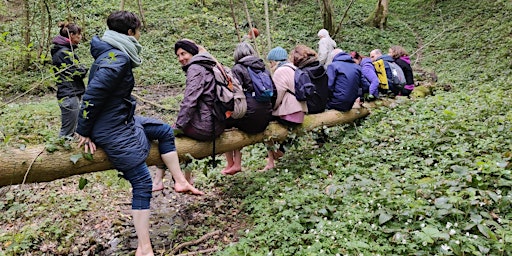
x,y
122,21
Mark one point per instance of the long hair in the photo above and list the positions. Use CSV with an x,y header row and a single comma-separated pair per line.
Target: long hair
x,y
243,49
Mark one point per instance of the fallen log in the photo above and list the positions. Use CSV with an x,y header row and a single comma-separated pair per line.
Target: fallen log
x,y
36,164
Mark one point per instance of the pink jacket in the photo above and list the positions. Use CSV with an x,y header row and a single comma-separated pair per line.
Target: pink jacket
x,y
286,103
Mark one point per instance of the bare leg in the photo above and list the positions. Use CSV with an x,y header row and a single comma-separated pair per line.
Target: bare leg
x,y
229,160
237,163
270,161
171,160
357,103
158,180
141,223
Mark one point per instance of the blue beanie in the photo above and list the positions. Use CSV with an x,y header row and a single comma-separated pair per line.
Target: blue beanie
x,y
277,54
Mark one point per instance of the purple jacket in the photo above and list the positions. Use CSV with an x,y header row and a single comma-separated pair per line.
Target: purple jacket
x,y
196,109
369,76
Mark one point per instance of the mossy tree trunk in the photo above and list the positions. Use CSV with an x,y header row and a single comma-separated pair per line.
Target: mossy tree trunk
x,y
379,17
327,10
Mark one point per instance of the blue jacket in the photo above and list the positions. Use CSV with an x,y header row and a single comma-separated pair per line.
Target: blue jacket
x,y
344,82
107,112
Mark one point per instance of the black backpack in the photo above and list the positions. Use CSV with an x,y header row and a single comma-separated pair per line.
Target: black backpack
x,y
311,86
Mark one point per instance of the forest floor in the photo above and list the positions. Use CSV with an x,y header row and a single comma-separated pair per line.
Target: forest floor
x,y
106,228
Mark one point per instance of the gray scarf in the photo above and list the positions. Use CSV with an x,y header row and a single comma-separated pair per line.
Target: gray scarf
x,y
125,43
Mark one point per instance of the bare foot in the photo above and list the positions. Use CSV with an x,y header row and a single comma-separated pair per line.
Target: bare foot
x,y
158,185
232,170
267,167
357,103
182,188
226,169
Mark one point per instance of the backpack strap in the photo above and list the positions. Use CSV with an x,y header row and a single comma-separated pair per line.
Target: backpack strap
x,y
294,69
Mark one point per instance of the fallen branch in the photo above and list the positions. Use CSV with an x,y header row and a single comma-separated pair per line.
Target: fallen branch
x,y
153,103
200,251
201,239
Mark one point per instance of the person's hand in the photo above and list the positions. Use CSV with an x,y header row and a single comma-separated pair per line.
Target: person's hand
x,y
89,146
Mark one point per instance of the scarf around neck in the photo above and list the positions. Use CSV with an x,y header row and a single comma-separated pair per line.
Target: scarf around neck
x,y
125,43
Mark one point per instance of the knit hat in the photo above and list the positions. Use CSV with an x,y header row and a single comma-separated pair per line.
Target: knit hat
x,y
277,54
186,45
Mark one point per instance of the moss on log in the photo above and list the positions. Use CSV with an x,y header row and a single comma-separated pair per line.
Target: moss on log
x,y
36,164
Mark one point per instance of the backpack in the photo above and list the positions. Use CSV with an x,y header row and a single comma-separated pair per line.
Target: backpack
x,y
230,98
262,84
398,78
310,88
380,70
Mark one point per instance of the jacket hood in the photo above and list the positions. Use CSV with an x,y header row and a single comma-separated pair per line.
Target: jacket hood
x,y
252,62
204,59
406,59
386,57
315,70
60,42
343,56
98,47
365,61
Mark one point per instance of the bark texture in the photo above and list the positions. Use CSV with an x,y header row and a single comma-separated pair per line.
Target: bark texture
x,y
36,164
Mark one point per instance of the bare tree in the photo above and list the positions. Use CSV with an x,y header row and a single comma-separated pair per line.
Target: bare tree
x,y
26,34
379,17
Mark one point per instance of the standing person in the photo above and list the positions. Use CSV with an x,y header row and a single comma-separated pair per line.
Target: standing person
x,y
107,119
70,75
344,83
325,46
287,109
369,79
258,113
401,57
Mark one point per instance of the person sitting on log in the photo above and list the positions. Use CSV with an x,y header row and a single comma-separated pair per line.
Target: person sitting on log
x,y
287,109
402,59
344,83
369,79
108,119
258,113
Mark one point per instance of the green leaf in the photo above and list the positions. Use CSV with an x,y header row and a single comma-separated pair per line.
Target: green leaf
x,y
384,217
82,182
75,158
88,156
486,231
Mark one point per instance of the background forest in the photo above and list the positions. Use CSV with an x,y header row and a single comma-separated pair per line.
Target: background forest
x,y
426,176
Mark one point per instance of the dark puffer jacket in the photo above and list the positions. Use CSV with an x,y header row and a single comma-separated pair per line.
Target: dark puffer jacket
x,y
196,109
107,112
344,82
70,72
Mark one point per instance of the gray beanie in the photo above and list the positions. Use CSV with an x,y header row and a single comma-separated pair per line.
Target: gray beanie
x,y
277,54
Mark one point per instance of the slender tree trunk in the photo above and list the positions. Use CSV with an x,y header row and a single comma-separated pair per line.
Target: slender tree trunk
x,y
342,19
379,17
121,5
234,20
141,11
267,22
26,35
250,26
327,14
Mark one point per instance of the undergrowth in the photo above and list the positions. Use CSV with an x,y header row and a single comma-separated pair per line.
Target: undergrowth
x,y
429,176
